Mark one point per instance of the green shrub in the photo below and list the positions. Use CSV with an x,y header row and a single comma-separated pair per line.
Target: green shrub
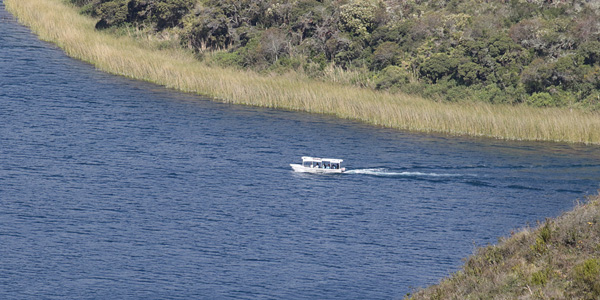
x,y
587,277
458,93
539,247
286,63
541,277
592,102
493,255
227,59
252,55
543,239
571,237
392,76
546,232
541,99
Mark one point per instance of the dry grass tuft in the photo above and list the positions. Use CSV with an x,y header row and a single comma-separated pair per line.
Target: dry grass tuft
x,y
60,23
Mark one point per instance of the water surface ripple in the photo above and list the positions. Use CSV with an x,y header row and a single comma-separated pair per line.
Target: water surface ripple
x,y
113,188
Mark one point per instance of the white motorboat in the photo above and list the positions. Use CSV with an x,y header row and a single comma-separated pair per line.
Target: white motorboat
x,y
319,165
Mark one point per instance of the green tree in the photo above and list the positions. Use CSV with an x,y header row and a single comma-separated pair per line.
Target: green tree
x,y
209,30
169,12
359,16
386,54
469,73
438,66
590,51
537,76
566,70
112,13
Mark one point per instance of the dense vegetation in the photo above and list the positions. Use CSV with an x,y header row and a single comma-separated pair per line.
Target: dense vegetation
x,y
558,260
545,53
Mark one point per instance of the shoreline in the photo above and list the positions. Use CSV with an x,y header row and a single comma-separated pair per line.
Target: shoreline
x,y
60,23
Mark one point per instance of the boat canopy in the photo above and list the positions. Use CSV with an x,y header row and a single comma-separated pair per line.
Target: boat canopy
x,y
317,159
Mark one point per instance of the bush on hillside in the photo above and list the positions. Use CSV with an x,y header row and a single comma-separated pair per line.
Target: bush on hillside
x,y
392,77
587,277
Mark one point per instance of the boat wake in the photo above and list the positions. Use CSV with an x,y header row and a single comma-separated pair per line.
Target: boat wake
x,y
388,173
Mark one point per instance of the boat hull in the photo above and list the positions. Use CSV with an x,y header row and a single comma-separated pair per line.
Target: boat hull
x,y
302,169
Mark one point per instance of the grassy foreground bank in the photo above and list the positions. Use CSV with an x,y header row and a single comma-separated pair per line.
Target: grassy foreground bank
x,y
560,259
60,23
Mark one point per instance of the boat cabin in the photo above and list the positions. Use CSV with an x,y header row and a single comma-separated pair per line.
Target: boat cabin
x,y
321,163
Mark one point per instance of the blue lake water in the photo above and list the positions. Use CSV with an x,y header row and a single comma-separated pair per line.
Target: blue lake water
x,y
114,188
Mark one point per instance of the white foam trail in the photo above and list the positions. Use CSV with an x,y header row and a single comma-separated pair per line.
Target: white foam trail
x,y
385,172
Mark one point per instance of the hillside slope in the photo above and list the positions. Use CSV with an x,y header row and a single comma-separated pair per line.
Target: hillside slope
x,y
560,259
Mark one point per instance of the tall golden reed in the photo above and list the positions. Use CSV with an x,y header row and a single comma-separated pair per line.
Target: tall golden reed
x,y
60,23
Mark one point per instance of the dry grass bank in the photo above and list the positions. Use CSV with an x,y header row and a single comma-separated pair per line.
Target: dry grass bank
x,y
560,259
59,23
